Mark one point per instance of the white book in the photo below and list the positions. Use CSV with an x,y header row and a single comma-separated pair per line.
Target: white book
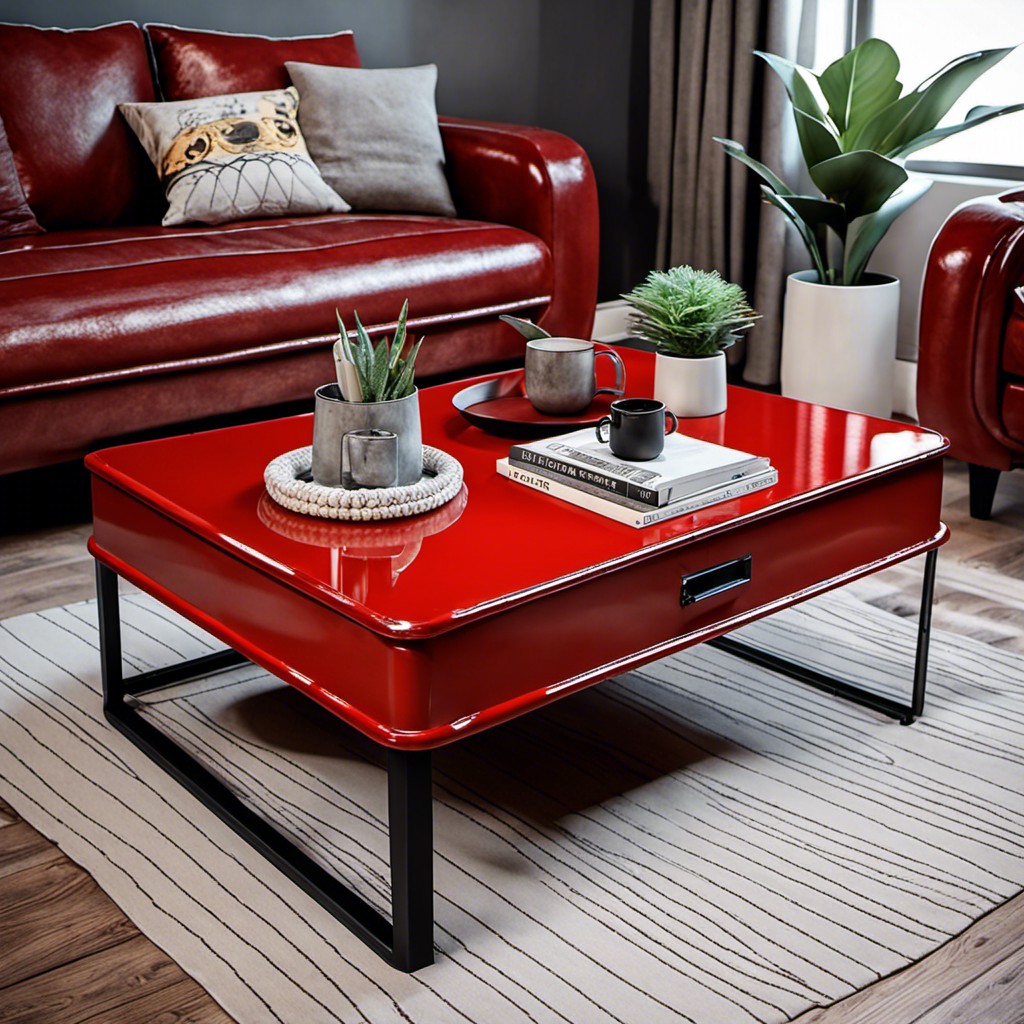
x,y
635,513
686,465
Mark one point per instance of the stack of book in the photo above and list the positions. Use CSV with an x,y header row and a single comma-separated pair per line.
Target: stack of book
x,y
687,476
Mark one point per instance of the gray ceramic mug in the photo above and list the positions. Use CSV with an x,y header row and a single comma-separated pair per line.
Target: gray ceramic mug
x,y
369,458
560,375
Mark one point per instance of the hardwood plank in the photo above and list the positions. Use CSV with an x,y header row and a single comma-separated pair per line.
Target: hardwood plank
x,y
8,815
99,986
22,847
49,910
185,1002
998,990
902,998
27,551
47,587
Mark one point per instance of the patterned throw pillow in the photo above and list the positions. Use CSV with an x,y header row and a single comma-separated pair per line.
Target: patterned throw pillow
x,y
224,158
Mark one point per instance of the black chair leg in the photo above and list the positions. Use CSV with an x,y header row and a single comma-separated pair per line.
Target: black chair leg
x,y
983,482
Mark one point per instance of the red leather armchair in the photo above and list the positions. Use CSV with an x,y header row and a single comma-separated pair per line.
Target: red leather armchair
x,y
970,382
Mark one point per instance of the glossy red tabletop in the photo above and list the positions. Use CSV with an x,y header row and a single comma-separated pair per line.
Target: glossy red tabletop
x,y
498,544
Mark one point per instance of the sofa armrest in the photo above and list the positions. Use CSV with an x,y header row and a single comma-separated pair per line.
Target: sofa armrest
x,y
541,182
975,264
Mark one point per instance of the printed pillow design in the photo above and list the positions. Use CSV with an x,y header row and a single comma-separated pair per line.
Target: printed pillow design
x,y
233,157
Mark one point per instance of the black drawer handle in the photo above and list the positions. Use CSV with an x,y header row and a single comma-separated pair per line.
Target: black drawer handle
x,y
696,586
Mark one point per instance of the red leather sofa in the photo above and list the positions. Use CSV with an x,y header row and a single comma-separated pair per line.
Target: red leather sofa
x,y
970,380
111,324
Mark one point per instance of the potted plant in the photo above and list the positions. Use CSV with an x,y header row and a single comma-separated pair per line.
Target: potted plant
x,y
856,128
375,391
691,317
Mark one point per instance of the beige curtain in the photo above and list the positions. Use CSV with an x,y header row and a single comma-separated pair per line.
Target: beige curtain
x,y
705,82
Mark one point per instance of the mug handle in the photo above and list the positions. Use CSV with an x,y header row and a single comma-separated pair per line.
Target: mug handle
x,y
604,421
620,374
670,415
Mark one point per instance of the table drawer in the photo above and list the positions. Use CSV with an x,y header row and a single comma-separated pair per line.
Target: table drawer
x,y
519,659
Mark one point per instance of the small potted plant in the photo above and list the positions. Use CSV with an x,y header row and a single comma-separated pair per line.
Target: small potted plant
x,y
691,317
375,391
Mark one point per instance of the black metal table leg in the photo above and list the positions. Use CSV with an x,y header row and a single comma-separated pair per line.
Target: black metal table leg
x,y
407,943
905,713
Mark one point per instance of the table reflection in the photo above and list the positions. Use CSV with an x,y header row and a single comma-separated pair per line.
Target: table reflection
x,y
362,557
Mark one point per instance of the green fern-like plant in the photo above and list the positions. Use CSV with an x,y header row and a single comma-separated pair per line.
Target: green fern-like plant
x,y
383,374
687,312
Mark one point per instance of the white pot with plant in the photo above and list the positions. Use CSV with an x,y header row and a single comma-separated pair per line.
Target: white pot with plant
x,y
375,392
691,317
856,129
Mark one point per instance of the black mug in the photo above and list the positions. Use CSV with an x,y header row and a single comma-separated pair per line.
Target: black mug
x,y
637,428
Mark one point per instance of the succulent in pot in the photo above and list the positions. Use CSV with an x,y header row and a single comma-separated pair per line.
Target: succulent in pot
x,y
368,373
691,317
375,392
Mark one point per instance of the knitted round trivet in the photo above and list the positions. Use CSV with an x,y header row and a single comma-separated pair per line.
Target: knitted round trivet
x,y
441,481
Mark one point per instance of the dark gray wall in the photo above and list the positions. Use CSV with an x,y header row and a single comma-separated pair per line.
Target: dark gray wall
x,y
576,66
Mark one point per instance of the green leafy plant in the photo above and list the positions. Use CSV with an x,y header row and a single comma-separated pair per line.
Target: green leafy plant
x,y
855,130
382,372
687,312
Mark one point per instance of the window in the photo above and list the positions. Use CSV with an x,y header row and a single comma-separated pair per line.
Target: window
x,y
927,35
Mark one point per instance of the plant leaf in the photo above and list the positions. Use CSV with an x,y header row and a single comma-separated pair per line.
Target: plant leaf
x,y
933,98
977,115
862,180
381,363
867,232
398,342
818,256
364,354
861,83
818,140
346,345
403,386
526,328
821,213
737,152
797,80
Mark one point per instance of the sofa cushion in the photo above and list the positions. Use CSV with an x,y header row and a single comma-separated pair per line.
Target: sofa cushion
x,y
89,306
16,217
190,63
77,160
374,135
226,158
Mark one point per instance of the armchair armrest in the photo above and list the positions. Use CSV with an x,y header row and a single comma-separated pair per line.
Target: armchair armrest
x,y
975,264
541,182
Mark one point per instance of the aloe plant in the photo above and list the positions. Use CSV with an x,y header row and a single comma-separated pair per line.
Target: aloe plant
x,y
383,374
855,131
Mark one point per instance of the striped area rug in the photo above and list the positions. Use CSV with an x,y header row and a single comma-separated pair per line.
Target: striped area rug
x,y
699,841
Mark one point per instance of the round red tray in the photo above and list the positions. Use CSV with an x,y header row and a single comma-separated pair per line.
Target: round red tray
x,y
500,406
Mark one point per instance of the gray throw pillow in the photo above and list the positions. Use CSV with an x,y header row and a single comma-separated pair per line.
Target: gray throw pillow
x,y
373,133
224,158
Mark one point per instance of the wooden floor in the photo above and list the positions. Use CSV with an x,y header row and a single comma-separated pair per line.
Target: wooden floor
x,y
67,954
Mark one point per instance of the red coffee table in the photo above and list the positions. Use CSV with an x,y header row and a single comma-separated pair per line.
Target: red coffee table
x,y
421,631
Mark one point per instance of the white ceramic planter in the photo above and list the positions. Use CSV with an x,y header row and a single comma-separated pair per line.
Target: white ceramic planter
x,y
691,386
839,343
